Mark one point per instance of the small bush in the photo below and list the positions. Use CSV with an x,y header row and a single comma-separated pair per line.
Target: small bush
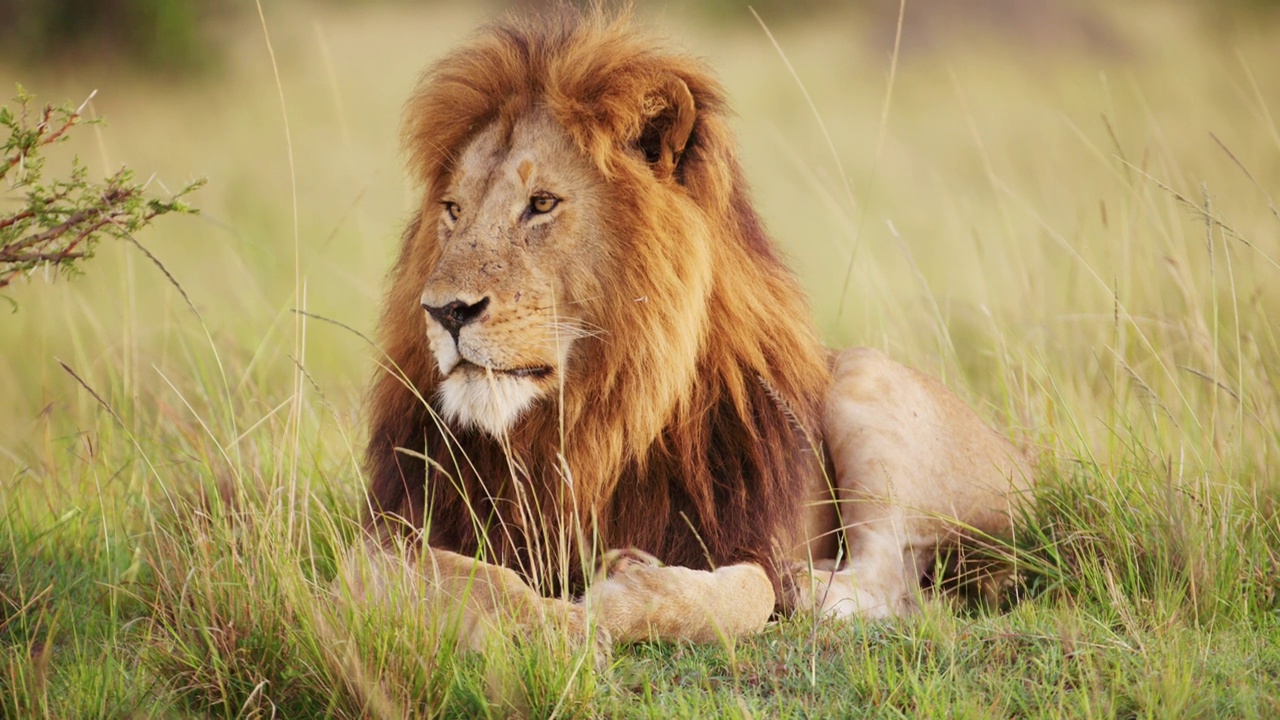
x,y
55,224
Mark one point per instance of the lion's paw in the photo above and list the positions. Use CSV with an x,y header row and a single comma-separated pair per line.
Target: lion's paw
x,y
621,561
645,601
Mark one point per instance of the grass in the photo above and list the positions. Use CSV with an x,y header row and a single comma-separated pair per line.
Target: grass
x,y
1081,239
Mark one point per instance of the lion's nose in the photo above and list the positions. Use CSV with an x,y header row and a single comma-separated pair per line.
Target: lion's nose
x,y
457,314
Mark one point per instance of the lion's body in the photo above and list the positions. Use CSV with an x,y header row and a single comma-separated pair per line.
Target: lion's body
x,y
593,345
916,471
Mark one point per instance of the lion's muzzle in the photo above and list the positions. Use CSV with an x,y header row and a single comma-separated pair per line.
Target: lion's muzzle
x,y
491,372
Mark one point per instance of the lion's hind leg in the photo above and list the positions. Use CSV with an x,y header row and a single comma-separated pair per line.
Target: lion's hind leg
x,y
881,579
915,470
972,571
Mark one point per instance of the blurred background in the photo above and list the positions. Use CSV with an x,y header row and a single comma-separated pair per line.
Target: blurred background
x,y
1052,203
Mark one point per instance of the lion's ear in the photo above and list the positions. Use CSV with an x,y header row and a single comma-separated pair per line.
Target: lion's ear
x,y
668,122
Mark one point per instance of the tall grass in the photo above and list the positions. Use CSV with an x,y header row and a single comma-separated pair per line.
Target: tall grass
x,y
1084,242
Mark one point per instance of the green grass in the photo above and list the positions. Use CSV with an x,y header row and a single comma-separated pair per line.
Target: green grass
x,y
1083,242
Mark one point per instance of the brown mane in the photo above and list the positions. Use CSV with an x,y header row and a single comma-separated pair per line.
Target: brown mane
x,y
682,429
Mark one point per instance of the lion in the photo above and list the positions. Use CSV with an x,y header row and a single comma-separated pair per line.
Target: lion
x,y
603,394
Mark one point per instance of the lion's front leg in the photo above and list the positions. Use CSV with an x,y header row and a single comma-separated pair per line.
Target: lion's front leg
x,y
494,592
642,601
482,600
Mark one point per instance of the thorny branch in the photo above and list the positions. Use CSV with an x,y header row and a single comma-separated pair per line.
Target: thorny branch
x,y
55,225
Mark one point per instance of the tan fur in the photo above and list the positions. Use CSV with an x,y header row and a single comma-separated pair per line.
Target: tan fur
x,y
916,471
631,366
483,601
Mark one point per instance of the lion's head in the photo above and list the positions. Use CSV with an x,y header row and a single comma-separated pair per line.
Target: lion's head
x,y
521,255
587,326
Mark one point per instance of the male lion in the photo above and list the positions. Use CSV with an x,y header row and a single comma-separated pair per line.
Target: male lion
x,y
597,359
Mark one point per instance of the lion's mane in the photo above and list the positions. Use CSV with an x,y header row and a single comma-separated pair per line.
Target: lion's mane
x,y
684,429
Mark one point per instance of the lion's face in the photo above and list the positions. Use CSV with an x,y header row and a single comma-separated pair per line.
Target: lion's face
x,y
519,252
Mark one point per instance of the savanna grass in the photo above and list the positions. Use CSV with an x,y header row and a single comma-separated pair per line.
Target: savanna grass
x,y
1071,250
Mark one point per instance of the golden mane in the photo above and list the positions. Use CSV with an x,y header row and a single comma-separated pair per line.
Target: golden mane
x,y
683,430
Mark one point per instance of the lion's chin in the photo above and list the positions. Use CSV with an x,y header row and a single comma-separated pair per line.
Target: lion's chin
x,y
491,401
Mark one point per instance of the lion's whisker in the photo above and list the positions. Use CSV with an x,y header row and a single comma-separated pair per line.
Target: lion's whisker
x,y
575,330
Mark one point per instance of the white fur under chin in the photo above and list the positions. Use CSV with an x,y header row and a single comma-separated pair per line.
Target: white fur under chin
x,y
442,347
491,402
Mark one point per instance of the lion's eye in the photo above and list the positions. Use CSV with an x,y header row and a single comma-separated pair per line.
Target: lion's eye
x,y
542,204
451,209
